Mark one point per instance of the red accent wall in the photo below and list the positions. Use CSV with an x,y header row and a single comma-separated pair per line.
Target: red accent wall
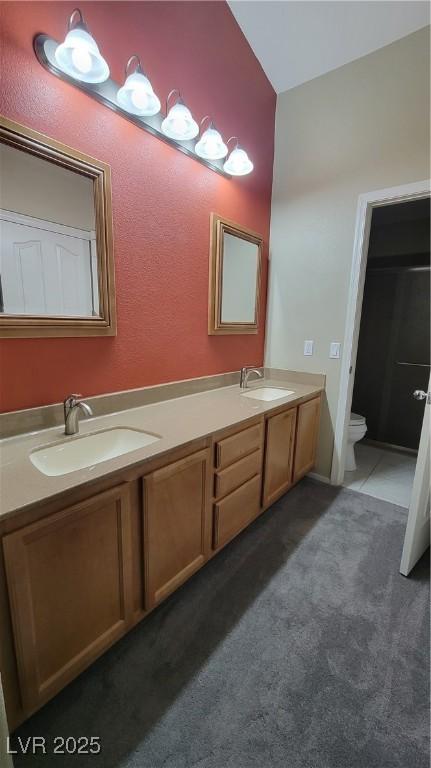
x,y
162,199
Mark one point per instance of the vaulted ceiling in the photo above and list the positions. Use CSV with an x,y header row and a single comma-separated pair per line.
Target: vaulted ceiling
x,y
296,41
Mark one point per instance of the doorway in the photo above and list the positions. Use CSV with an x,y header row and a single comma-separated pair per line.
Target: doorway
x,y
367,204
418,521
393,357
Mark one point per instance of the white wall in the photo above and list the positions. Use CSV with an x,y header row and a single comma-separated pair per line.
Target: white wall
x,y
362,127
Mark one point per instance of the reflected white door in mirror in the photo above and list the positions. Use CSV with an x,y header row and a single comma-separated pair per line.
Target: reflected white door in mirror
x,y
46,268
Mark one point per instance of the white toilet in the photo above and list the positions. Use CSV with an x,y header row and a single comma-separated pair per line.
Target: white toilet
x,y
356,431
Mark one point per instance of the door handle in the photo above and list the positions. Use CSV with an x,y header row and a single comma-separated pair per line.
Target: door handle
x,y
419,394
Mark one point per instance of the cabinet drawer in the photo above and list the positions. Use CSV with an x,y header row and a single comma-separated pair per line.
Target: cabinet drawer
x,y
236,446
226,480
236,511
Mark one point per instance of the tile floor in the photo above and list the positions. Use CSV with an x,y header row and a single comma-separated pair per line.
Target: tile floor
x,y
382,473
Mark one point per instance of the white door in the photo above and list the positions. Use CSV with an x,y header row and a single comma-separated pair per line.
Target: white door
x,y
417,537
44,272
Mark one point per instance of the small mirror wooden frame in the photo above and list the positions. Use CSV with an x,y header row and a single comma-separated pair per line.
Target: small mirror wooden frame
x,y
220,227
104,324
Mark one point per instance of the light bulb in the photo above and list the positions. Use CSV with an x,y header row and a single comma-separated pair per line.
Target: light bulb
x,y
137,95
139,98
238,163
179,123
80,58
211,145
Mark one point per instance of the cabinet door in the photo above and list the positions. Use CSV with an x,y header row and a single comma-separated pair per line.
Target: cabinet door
x,y
176,524
306,437
69,582
280,436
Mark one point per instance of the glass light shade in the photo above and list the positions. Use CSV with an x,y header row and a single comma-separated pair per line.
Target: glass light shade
x,y
137,96
238,163
80,58
211,145
179,124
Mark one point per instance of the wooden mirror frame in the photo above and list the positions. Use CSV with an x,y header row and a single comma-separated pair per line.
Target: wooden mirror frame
x,y
220,226
105,324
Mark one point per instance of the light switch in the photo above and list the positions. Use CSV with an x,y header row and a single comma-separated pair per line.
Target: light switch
x,y
334,349
308,347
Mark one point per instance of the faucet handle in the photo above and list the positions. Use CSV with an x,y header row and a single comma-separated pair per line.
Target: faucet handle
x,y
69,403
69,398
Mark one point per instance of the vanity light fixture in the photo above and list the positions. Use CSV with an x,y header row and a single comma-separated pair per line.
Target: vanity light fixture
x,y
79,56
78,62
238,162
211,145
178,123
136,95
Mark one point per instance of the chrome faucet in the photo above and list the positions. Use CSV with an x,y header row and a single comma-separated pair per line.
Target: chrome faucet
x,y
72,405
245,373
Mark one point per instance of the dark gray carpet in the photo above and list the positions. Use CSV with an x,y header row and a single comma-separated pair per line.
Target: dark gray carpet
x,y
299,646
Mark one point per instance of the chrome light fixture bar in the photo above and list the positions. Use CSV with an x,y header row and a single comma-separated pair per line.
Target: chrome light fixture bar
x,y
79,62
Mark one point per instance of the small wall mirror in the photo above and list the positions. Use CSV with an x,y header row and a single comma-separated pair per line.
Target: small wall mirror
x,y
234,281
56,261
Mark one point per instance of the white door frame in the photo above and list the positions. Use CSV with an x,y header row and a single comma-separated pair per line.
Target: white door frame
x,y
366,203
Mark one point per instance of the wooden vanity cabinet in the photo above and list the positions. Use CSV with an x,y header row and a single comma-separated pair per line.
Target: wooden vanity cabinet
x,y
177,523
307,432
80,577
69,578
279,453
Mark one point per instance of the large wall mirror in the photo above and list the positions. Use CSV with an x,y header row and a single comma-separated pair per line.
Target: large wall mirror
x,y
234,280
56,257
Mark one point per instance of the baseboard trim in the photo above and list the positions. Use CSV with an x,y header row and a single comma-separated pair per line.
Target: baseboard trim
x,y
390,446
319,478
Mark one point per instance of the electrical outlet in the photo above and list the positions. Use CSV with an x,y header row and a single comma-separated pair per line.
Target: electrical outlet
x,y
334,349
308,347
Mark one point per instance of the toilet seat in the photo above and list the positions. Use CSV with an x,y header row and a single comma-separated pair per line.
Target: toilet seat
x,y
356,420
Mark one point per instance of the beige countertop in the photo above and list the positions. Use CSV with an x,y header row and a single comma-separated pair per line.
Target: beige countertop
x,y
177,421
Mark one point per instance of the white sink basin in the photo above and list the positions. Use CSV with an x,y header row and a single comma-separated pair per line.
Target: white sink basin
x,y
85,451
267,393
